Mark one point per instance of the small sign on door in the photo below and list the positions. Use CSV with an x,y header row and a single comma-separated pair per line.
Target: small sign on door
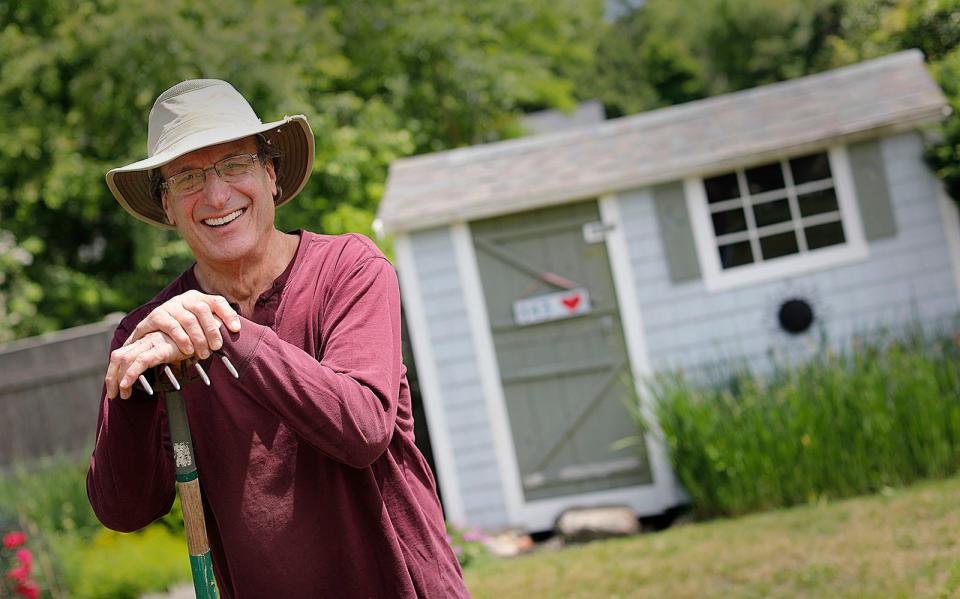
x,y
596,232
551,306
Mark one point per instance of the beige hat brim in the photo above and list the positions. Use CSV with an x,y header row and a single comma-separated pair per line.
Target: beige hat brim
x,y
292,136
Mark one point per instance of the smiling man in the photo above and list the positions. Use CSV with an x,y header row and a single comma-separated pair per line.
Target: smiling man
x,y
312,484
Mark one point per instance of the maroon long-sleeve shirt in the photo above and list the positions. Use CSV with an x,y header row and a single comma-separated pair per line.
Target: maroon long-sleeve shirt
x,y
311,482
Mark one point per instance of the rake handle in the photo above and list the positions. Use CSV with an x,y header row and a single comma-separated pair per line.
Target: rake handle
x,y
188,487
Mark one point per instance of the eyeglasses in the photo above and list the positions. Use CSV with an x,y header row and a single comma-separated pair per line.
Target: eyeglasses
x,y
230,170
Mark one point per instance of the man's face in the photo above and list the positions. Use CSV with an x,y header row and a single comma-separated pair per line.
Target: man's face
x,y
223,222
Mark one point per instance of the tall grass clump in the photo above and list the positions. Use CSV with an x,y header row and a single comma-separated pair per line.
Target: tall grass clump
x,y
880,415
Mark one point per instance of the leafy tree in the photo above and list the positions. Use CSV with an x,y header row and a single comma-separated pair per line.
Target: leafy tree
x,y
460,72
377,80
876,27
666,52
75,86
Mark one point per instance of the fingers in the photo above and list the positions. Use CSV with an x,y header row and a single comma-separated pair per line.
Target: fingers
x,y
111,380
201,316
211,312
162,320
189,323
201,325
221,307
192,320
128,362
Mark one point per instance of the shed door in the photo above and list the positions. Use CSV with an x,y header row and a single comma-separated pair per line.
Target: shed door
x,y
566,381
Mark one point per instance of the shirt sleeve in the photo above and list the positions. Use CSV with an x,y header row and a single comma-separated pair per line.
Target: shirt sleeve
x,y
130,482
344,401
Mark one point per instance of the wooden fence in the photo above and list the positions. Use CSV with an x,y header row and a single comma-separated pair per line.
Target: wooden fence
x,y
50,390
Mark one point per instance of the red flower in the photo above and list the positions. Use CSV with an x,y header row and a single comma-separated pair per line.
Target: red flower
x,y
19,574
12,540
28,589
25,558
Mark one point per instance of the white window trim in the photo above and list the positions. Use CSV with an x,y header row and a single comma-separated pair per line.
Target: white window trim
x,y
715,278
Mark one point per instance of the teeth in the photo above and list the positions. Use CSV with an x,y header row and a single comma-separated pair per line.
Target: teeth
x,y
216,222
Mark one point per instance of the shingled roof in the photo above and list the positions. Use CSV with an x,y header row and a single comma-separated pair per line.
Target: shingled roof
x,y
465,184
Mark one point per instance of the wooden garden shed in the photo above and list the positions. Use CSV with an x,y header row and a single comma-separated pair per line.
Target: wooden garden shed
x,y
544,277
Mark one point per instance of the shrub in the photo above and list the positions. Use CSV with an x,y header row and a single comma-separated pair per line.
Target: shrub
x,y
468,544
17,566
52,495
50,501
120,566
883,414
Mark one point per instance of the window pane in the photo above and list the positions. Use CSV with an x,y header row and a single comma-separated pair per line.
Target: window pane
x,y
818,202
810,168
735,254
820,236
782,244
770,213
765,178
729,221
723,187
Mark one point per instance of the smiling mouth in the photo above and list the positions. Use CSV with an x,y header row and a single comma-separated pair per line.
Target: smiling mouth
x,y
220,221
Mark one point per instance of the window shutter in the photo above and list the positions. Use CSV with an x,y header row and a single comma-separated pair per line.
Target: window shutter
x,y
679,246
873,193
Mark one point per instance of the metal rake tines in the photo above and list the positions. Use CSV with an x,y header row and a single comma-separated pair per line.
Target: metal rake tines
x,y
168,373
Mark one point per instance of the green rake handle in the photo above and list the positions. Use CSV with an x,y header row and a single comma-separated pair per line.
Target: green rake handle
x,y
188,487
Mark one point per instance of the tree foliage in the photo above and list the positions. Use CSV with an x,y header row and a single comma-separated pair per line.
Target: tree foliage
x,y
667,52
377,80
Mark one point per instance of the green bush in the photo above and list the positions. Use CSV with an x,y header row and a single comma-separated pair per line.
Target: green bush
x,y
120,566
468,544
883,414
84,557
52,495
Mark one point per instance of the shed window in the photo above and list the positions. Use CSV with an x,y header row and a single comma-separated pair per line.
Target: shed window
x,y
774,210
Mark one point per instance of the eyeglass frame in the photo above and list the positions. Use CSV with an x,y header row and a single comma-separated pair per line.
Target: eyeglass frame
x,y
165,182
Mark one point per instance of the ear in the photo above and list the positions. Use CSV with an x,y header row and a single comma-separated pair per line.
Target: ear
x,y
166,209
271,178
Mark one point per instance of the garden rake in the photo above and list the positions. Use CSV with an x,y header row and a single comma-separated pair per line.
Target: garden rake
x,y
187,477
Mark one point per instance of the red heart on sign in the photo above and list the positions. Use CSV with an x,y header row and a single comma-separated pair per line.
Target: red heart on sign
x,y
571,302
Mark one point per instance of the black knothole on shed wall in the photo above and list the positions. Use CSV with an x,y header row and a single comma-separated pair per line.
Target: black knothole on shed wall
x,y
795,316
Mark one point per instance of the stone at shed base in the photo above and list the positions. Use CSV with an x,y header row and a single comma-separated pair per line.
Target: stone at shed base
x,y
508,543
578,525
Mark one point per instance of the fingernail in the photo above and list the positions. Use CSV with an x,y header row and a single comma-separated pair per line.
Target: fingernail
x,y
189,349
204,354
217,344
235,325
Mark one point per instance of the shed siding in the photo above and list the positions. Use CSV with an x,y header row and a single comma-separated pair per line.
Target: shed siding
x,y
459,378
906,278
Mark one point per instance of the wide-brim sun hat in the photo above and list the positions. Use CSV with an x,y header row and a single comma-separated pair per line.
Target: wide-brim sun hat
x,y
198,113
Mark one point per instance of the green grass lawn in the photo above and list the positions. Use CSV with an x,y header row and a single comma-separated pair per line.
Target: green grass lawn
x,y
902,543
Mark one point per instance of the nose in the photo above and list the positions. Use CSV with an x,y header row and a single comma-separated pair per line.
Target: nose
x,y
215,189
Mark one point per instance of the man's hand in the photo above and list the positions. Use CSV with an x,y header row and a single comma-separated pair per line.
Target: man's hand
x,y
133,359
192,320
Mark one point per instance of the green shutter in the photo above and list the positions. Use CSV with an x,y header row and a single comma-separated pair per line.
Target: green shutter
x,y
676,233
873,193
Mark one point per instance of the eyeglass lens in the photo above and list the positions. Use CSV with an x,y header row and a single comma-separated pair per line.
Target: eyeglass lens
x,y
229,169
